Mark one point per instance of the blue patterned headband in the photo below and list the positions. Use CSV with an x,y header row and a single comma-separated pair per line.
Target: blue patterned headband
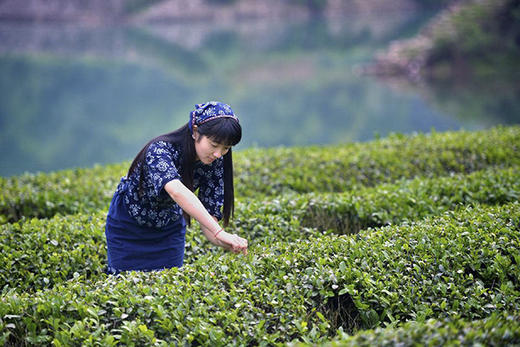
x,y
208,111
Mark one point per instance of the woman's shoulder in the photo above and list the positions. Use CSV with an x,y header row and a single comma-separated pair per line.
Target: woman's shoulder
x,y
162,147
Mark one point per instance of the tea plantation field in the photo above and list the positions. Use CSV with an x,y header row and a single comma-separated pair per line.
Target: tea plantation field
x,y
407,240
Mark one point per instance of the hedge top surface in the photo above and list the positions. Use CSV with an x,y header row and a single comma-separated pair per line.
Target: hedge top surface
x,y
275,171
459,265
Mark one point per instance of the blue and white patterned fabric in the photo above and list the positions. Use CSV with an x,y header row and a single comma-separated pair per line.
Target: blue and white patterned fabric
x,y
155,208
131,247
208,111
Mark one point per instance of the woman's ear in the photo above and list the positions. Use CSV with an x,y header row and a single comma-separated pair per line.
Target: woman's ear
x,y
195,134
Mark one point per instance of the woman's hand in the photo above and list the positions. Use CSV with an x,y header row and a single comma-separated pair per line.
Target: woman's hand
x,y
192,205
232,242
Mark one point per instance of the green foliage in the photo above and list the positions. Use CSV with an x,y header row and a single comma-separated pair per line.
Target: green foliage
x,y
496,330
480,34
461,265
347,167
409,200
37,254
65,192
68,246
402,254
271,172
294,217
469,32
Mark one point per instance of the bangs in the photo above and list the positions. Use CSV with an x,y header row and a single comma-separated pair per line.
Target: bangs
x,y
225,131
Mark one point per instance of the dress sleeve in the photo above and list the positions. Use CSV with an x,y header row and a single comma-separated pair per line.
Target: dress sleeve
x,y
211,188
160,161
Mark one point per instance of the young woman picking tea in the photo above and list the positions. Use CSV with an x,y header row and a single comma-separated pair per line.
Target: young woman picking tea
x,y
146,222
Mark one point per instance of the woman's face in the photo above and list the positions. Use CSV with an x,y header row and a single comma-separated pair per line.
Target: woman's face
x,y
208,150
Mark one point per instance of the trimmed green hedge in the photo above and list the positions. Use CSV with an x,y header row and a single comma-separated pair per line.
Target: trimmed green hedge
x,y
40,253
347,213
347,167
271,172
44,195
410,200
496,330
37,254
461,265
316,267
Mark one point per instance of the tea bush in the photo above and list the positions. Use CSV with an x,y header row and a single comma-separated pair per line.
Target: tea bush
x,y
40,253
272,172
44,195
409,200
420,234
347,167
347,213
292,217
497,330
462,265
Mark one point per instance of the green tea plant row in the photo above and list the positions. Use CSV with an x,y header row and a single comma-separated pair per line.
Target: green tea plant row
x,y
347,167
44,195
501,329
462,265
271,172
405,200
40,253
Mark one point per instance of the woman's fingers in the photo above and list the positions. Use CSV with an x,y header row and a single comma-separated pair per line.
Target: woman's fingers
x,y
242,244
236,243
239,244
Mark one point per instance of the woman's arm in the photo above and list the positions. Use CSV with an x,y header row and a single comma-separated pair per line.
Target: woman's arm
x,y
209,225
211,237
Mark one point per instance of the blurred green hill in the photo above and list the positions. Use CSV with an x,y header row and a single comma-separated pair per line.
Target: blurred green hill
x,y
99,11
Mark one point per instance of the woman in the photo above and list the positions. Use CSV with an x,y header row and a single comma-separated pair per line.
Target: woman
x,y
146,221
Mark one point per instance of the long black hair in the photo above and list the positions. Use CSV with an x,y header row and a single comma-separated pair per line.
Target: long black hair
x,y
225,131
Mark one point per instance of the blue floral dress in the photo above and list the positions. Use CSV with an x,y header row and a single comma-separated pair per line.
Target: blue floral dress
x,y
145,228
